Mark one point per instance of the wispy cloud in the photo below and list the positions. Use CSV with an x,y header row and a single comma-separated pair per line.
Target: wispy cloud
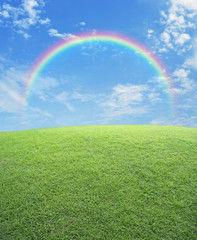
x,y
21,18
36,116
63,98
85,97
11,80
161,121
11,100
68,98
37,113
44,87
185,120
11,93
189,121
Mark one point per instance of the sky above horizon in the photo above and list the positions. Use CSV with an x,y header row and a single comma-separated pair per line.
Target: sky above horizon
x,y
98,82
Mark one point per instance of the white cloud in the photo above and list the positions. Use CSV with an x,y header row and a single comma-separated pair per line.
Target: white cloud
x,y
188,4
21,18
165,37
44,21
163,50
82,24
154,97
183,38
29,6
125,99
185,84
178,21
178,24
54,33
150,33
5,12
181,73
25,35
128,94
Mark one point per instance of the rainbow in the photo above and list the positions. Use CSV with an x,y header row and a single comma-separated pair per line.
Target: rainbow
x,y
106,37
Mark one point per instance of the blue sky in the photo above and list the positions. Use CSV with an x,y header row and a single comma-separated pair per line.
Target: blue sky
x,y
97,83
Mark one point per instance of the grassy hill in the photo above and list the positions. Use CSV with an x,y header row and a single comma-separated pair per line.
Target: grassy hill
x,y
99,182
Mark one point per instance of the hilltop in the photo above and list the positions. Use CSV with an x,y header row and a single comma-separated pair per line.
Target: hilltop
x,y
99,182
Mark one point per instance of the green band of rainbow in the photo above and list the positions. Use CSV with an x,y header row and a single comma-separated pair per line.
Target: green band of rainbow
x,y
105,37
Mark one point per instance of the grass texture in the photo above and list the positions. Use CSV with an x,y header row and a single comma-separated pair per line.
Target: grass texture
x,y
99,182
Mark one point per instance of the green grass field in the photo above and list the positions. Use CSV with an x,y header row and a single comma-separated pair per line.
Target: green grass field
x,y
99,182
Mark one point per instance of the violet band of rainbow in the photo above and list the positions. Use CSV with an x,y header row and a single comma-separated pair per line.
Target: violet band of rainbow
x,y
106,37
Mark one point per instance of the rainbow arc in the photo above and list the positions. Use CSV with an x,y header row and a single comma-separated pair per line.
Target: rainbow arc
x,y
105,37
